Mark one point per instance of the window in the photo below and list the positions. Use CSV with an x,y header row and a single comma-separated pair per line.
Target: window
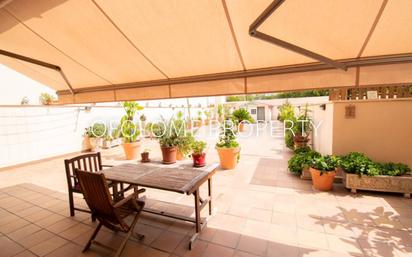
x,y
253,111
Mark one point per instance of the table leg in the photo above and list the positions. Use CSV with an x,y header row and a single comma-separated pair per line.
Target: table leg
x,y
209,186
197,219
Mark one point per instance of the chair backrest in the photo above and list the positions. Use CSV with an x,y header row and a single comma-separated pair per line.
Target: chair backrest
x,y
91,162
97,194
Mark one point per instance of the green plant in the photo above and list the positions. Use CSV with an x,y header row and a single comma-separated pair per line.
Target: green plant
x,y
97,130
325,163
199,115
46,98
302,159
142,118
128,128
286,112
208,114
289,140
302,125
168,132
393,169
240,115
184,142
358,163
227,136
220,110
198,147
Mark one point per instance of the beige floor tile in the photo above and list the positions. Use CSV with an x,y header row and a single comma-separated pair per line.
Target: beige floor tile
x,y
133,249
226,238
276,249
49,220
150,252
8,247
260,215
62,225
68,250
48,246
308,238
36,238
26,253
150,233
343,245
167,241
76,231
24,232
213,250
252,245
13,226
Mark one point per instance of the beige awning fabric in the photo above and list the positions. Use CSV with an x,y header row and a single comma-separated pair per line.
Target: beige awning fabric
x,y
156,49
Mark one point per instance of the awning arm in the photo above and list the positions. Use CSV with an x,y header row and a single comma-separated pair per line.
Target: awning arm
x,y
276,41
40,63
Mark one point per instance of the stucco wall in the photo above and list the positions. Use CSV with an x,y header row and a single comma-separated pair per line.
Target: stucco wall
x,y
381,129
322,136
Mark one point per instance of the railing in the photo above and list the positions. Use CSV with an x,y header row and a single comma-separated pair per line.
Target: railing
x,y
361,93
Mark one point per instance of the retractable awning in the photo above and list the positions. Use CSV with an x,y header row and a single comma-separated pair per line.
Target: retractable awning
x,y
99,50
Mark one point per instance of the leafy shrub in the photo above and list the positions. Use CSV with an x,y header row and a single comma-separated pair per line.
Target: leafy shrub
x,y
97,130
240,115
289,140
302,159
394,169
325,163
286,112
358,163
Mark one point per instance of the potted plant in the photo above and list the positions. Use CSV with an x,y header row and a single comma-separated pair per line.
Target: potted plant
x,y
302,128
301,161
145,155
130,131
166,133
46,98
208,114
323,172
220,113
107,141
199,119
96,134
198,154
240,116
227,146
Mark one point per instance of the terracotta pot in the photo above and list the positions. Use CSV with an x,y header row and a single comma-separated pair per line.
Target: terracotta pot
x,y
96,143
300,141
169,154
199,160
207,122
228,157
324,181
86,146
131,150
241,127
145,157
179,155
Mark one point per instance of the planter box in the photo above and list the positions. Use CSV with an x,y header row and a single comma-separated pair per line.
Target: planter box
x,y
394,184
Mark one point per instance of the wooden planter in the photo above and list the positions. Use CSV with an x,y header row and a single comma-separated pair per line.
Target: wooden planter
x,y
394,184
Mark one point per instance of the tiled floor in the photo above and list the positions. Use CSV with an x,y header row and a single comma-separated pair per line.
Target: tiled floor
x,y
260,210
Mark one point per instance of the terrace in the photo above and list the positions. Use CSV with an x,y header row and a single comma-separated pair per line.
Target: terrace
x,y
95,56
261,209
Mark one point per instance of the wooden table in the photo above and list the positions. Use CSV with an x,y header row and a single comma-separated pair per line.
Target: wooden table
x,y
180,178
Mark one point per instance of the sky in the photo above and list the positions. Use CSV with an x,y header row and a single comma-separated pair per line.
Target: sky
x,y
14,86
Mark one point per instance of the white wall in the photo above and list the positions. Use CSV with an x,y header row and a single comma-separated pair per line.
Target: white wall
x,y
322,137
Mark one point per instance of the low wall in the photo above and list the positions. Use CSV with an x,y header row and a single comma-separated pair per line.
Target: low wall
x,y
381,129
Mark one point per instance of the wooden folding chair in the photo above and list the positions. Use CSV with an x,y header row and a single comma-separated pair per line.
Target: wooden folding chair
x,y
91,162
109,214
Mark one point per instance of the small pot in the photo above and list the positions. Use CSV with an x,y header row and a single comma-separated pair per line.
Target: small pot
x,y
199,160
322,181
145,157
179,155
228,157
241,127
300,141
131,150
207,122
96,143
169,154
